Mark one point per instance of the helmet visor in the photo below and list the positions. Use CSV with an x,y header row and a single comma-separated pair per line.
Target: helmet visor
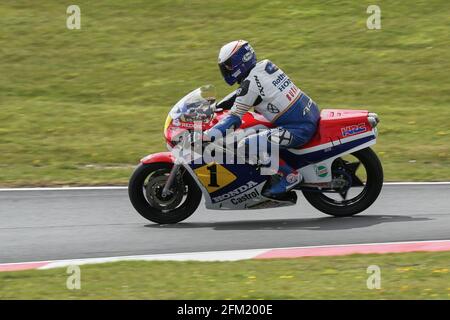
x,y
226,68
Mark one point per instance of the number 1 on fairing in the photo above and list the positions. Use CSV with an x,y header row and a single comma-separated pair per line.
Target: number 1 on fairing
x,y
212,176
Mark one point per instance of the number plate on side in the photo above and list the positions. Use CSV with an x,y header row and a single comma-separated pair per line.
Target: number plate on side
x,y
214,176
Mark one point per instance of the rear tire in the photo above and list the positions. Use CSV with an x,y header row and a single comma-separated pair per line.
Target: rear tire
x,y
370,193
137,194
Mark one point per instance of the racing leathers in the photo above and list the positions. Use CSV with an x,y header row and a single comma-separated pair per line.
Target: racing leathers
x,y
272,93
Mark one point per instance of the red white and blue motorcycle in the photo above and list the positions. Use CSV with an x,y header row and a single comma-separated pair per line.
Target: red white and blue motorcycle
x,y
342,175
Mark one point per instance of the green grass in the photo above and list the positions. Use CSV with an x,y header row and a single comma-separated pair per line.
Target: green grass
x,y
403,276
82,106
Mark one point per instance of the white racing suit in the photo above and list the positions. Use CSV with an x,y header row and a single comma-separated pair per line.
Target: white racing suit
x,y
272,93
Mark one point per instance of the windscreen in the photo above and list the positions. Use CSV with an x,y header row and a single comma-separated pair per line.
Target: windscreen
x,y
197,105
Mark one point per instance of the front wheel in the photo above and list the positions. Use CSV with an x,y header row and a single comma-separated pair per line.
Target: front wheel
x,y
358,183
145,192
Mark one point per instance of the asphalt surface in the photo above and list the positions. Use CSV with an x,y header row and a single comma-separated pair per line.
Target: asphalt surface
x,y
68,224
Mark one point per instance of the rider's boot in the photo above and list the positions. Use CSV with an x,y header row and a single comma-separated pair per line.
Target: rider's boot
x,y
283,181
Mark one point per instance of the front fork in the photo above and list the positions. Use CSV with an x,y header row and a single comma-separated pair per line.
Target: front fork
x,y
172,175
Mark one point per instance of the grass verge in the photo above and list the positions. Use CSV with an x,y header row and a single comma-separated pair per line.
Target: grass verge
x,y
403,276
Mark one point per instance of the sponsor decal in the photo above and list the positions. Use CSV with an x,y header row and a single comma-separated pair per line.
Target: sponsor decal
x,y
282,82
176,124
188,125
292,178
321,171
271,68
293,92
237,73
246,196
249,48
235,192
279,79
260,87
307,109
272,109
353,129
247,56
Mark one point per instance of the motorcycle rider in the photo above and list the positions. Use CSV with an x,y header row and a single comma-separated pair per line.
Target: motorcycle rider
x,y
271,92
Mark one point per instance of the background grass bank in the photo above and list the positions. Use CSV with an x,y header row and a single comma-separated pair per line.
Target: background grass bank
x,y
83,106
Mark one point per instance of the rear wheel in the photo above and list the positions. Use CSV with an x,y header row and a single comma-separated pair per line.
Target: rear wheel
x,y
357,180
145,192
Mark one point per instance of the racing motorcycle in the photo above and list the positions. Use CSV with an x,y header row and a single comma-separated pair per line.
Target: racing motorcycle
x,y
342,175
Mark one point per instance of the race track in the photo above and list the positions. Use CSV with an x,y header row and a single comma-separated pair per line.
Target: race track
x,y
67,224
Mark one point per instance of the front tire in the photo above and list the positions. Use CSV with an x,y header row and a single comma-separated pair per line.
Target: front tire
x,y
371,189
144,186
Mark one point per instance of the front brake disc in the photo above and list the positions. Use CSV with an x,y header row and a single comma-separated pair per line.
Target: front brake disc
x,y
153,191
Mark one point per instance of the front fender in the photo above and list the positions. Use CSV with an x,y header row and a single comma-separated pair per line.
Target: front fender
x,y
165,157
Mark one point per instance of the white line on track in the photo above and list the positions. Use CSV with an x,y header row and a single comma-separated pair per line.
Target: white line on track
x,y
421,183
226,255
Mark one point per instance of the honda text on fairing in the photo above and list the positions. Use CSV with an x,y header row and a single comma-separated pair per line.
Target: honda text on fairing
x,y
342,175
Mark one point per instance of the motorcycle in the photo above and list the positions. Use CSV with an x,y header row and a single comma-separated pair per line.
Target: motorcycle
x,y
342,175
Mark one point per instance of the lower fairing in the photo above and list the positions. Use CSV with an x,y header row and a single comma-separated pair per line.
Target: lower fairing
x,y
314,165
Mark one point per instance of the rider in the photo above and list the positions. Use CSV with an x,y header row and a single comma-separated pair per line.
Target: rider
x,y
271,92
